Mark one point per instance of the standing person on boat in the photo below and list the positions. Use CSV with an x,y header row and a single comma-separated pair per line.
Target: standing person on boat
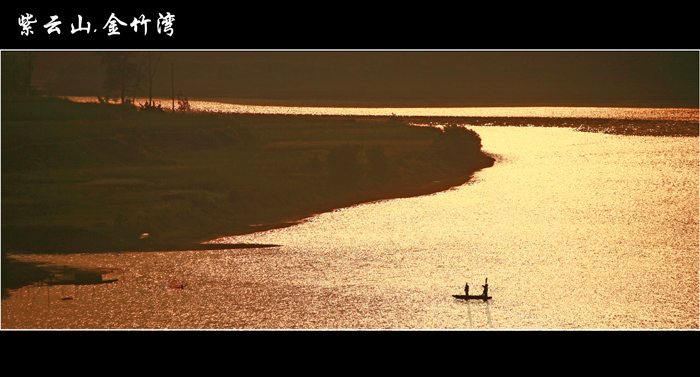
x,y
486,288
466,289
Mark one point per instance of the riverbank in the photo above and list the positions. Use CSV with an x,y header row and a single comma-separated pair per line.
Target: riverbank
x,y
100,178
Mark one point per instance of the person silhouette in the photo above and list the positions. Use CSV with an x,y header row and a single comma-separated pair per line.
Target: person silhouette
x,y
466,289
486,288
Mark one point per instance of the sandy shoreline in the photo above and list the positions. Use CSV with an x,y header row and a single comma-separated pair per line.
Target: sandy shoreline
x,y
25,274
362,198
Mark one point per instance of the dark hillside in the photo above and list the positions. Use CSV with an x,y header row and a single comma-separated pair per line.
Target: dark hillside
x,y
97,177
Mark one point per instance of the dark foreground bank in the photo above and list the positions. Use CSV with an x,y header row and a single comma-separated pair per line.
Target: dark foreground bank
x,y
103,178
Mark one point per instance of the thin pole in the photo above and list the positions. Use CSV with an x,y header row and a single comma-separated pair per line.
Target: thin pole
x,y
150,81
172,82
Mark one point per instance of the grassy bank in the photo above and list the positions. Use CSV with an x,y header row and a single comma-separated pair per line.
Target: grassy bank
x,y
96,177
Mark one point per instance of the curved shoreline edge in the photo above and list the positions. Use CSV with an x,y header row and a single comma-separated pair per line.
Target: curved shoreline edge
x,y
76,172
17,274
430,188
95,161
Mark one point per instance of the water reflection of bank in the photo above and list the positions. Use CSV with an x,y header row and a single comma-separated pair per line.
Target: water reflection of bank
x,y
78,276
17,274
51,286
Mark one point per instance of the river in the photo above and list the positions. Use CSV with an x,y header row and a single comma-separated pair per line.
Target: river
x,y
573,230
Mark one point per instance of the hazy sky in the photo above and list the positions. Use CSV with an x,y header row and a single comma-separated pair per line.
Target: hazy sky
x,y
462,78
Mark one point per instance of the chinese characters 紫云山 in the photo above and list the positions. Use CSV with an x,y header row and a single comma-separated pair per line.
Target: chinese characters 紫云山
x,y
164,24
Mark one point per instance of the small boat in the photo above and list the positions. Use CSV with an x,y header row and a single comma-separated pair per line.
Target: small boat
x,y
470,297
484,296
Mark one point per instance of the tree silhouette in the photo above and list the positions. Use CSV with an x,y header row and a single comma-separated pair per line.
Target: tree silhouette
x,y
459,142
151,74
122,74
17,70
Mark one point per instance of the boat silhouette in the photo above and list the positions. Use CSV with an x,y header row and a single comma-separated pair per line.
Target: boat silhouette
x,y
484,296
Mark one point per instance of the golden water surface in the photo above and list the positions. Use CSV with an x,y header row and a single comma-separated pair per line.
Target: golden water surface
x,y
679,114
573,230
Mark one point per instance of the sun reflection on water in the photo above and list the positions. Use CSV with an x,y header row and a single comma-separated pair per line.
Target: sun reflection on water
x,y
538,111
573,230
